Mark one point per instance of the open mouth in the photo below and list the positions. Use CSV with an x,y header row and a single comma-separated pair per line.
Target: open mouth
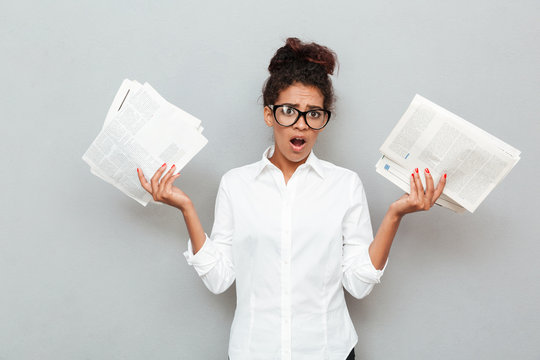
x,y
297,143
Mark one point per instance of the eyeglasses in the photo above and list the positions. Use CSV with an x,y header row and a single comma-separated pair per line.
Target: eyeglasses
x,y
287,115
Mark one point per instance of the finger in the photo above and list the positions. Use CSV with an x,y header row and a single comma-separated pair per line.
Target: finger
x,y
171,179
413,193
155,179
440,188
430,188
421,197
146,186
165,178
419,186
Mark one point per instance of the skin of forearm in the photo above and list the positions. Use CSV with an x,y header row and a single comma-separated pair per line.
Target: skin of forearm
x,y
380,247
194,227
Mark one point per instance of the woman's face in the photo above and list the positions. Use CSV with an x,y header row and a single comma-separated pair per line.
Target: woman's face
x,y
294,143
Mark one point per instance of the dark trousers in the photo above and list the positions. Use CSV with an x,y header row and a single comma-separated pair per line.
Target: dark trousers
x,y
350,357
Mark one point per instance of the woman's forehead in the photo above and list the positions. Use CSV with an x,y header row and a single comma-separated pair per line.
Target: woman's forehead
x,y
299,94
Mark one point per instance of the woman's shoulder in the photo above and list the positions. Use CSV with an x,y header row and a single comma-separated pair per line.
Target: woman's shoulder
x,y
334,168
241,173
337,172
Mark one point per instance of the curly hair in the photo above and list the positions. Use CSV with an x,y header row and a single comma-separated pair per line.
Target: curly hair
x,y
309,64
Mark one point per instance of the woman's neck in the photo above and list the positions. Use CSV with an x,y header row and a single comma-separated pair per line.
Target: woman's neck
x,y
286,166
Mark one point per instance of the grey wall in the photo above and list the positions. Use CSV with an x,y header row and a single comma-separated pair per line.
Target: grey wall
x,y
87,273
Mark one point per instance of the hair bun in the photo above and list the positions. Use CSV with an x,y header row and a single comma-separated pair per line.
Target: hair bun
x,y
297,51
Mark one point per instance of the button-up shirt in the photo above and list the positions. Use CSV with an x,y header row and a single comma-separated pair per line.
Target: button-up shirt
x,y
291,247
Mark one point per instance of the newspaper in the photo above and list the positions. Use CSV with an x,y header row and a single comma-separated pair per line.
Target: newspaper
x,y
429,136
142,130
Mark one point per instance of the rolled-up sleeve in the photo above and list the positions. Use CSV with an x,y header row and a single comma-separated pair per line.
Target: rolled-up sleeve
x,y
359,274
214,261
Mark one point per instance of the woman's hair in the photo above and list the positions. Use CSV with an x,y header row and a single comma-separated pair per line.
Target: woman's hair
x,y
309,64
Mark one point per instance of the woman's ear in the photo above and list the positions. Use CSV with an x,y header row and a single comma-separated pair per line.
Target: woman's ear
x,y
268,116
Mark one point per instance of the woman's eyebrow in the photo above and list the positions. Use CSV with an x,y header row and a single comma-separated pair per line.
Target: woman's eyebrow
x,y
307,106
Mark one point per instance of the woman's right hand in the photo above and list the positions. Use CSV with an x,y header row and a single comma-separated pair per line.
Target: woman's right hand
x,y
163,190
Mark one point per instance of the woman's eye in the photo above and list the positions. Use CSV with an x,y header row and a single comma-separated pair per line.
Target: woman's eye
x,y
314,114
287,110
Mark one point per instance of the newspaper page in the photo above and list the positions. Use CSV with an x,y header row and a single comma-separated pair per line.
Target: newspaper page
x,y
142,130
429,136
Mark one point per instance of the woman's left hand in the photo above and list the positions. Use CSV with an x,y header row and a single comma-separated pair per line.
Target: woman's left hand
x,y
418,199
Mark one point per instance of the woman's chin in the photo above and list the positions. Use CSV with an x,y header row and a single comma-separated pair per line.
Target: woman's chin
x,y
295,154
299,156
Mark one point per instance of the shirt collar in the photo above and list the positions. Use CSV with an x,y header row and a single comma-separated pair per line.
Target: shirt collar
x,y
313,161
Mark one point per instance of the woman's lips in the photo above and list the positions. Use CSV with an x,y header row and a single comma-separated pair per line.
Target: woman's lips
x,y
297,144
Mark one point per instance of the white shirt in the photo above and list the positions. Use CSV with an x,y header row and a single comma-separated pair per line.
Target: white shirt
x,y
291,249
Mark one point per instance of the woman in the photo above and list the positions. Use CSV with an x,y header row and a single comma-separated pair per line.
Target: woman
x,y
292,230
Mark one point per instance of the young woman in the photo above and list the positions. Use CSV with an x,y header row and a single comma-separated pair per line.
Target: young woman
x,y
291,229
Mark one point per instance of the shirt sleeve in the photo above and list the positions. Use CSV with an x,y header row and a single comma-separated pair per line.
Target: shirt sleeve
x,y
359,274
214,261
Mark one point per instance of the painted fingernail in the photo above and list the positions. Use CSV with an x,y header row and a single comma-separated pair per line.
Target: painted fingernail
x,y
416,170
137,169
173,166
445,176
412,174
163,164
427,170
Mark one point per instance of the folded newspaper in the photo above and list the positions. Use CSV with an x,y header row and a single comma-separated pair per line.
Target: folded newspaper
x,y
429,136
142,130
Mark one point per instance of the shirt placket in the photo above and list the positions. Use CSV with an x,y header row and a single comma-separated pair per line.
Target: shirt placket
x,y
286,244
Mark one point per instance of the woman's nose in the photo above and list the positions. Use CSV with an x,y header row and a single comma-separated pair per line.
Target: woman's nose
x,y
302,122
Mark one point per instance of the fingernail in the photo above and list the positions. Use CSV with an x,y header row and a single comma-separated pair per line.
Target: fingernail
x,y
137,169
412,174
173,166
445,176
416,170
427,170
163,165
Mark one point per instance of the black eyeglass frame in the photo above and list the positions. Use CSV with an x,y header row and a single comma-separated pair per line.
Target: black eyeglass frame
x,y
300,114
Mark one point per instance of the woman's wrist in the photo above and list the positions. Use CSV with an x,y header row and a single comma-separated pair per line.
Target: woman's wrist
x,y
394,214
186,208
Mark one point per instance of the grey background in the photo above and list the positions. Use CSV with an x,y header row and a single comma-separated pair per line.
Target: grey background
x,y
88,273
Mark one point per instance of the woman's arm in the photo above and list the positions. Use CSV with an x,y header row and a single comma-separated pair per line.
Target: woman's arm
x,y
211,257
194,227
163,191
416,200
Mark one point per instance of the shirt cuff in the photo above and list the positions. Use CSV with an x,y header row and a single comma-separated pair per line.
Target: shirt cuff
x,y
205,259
366,271
376,274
